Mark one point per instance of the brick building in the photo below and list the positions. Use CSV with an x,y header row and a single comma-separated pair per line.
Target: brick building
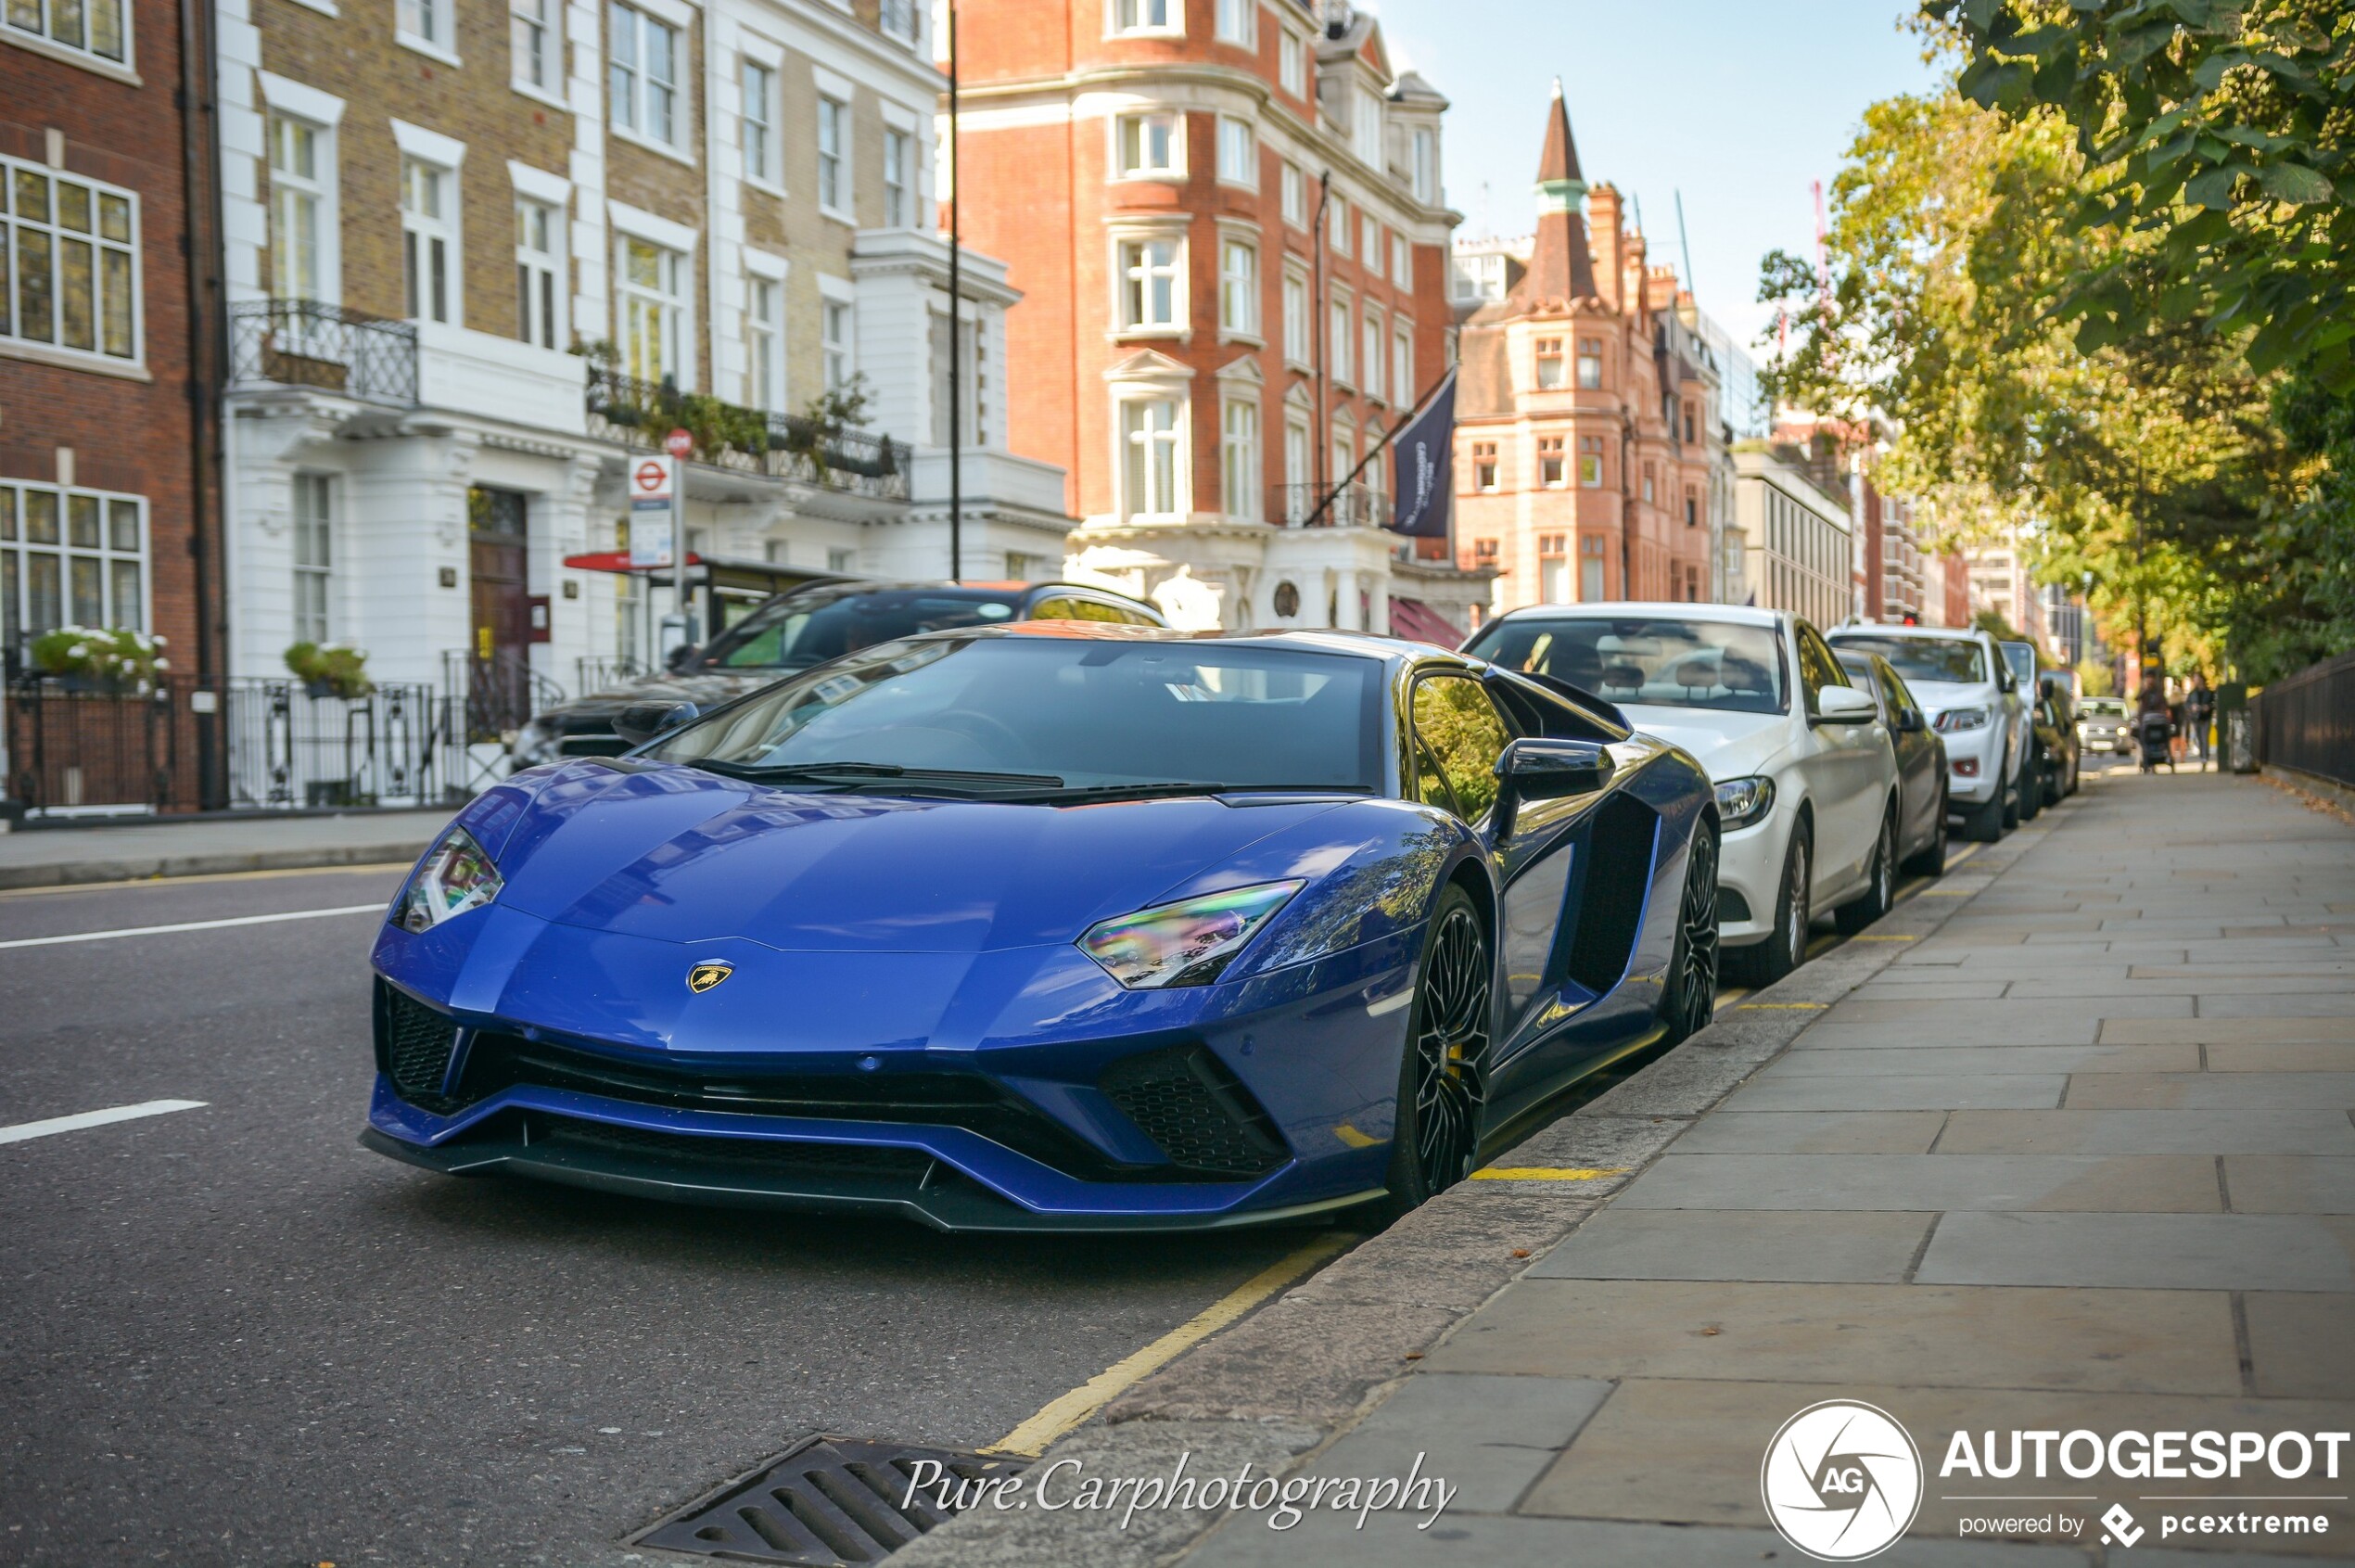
x,y
1589,463
483,255
104,368
1227,217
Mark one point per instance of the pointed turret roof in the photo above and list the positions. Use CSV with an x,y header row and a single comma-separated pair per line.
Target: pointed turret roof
x,y
1560,267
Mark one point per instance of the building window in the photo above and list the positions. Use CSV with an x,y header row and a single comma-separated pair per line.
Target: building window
x,y
70,557
531,30
1374,352
96,27
1238,151
1150,279
1590,462
1298,476
76,246
1402,365
764,343
834,342
1691,422
1239,22
299,152
313,557
1647,484
834,155
428,205
1553,568
653,306
1146,16
1551,472
421,21
756,123
1337,343
1549,364
1338,229
1295,187
1484,471
1484,554
1151,145
1292,64
641,79
900,196
1368,140
1344,454
1150,459
1426,165
1238,287
1590,567
1369,242
1239,459
1297,347
1402,261
1692,507
1590,363
539,230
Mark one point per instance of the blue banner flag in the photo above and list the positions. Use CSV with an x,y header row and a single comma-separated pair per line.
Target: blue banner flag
x,y
1422,462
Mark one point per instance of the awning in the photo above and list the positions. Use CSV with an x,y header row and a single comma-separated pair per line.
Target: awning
x,y
617,561
1413,618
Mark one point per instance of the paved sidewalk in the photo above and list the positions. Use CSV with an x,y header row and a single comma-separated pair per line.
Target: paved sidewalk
x,y
2082,1157
54,857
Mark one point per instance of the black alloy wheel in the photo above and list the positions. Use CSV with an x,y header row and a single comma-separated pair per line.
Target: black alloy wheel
x,y
1881,888
1442,1090
1689,998
2031,787
1930,858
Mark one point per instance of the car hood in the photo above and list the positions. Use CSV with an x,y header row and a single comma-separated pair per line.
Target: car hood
x,y
1727,744
677,855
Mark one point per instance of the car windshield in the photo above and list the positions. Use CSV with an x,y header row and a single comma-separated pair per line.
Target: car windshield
x,y
1955,660
1065,713
2104,707
1657,661
807,629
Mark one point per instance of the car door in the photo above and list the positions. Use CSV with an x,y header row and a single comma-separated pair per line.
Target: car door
x,y
1850,770
1459,735
1921,765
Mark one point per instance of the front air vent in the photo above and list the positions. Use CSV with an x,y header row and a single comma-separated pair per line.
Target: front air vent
x,y
414,1044
1195,1112
1619,840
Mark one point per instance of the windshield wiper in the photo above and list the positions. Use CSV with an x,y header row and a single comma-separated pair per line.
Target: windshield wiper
x,y
1168,791
861,773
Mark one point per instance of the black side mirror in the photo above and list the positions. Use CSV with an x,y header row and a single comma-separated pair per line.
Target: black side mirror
x,y
642,722
1910,721
1546,769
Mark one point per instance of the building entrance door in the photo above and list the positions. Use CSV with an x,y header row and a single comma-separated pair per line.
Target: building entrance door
x,y
499,658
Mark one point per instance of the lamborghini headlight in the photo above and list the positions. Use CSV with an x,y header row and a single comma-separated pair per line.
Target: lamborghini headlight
x,y
457,875
1187,943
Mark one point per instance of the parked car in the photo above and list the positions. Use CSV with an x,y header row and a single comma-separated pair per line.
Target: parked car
x,y
1965,684
1803,769
1096,927
807,627
1921,763
2105,725
2060,757
2020,657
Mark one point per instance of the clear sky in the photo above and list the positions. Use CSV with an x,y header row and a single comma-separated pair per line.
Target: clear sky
x,y
1739,104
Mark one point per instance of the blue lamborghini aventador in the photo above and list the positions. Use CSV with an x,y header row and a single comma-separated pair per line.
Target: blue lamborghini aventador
x,y
1052,927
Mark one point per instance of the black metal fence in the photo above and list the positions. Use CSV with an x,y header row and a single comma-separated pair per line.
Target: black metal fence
x,y
303,343
640,413
2307,720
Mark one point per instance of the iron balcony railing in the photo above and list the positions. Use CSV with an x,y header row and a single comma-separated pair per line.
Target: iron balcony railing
x,y
303,343
1354,506
640,413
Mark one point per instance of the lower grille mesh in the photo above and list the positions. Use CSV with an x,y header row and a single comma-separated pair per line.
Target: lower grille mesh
x,y
1192,1108
413,1045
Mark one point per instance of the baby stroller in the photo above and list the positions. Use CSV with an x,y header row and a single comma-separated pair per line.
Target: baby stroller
x,y
2153,730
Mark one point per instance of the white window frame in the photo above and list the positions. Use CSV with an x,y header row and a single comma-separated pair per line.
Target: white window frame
x,y
1144,19
901,204
432,249
430,27
19,551
1300,318
78,47
1402,260
1369,241
1239,287
1365,127
1291,63
1136,271
1133,137
837,332
1242,492
1341,331
1237,22
633,93
1151,451
314,539
1295,196
1425,165
1338,225
1300,465
114,265
541,273
1343,443
837,174
294,194
536,41
1374,345
674,304
757,142
1402,361
1237,152
765,332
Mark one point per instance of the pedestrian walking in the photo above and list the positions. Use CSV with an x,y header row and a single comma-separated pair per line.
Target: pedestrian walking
x,y
2199,712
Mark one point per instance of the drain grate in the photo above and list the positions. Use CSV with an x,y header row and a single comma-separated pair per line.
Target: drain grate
x,y
830,1502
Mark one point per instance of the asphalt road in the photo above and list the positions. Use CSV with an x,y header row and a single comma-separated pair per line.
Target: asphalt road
x,y
233,1336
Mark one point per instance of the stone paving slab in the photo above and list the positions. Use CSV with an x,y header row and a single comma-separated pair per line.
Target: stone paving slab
x,y
2308,1006
2213,1030
1864,1246
1814,1133
2240,1130
2209,1091
2290,1184
2112,1183
1490,1436
2281,1056
1915,1092
2300,1345
2254,1252
1804,1060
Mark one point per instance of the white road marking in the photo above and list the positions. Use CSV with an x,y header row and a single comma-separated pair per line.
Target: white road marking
x,y
23,1131
377,907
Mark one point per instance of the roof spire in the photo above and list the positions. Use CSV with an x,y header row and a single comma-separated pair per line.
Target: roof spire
x,y
1560,267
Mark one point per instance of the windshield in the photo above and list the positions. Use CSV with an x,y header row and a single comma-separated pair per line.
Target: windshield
x,y
809,627
1664,663
1061,713
1950,659
2021,656
2104,707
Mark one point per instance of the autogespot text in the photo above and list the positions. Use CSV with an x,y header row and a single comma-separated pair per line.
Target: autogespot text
x,y
1065,1484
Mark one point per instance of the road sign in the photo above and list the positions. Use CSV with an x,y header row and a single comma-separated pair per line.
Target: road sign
x,y
680,444
653,487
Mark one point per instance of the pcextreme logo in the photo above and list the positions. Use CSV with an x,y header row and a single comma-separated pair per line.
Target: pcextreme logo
x,y
1842,1481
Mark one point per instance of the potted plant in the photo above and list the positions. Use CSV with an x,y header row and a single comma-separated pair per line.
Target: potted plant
x,y
100,658
331,670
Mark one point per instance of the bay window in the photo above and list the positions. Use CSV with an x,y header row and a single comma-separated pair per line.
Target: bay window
x,y
1151,145
1238,287
1151,285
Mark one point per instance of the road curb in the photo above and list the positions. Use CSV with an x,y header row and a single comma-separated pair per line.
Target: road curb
x,y
142,867
1323,1356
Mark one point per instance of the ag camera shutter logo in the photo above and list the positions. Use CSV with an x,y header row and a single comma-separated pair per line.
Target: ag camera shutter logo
x,y
1842,1481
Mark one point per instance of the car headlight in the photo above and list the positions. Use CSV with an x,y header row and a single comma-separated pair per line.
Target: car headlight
x,y
1955,719
457,875
1187,943
1743,801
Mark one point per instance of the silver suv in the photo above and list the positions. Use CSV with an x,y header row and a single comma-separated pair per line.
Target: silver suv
x,y
1968,688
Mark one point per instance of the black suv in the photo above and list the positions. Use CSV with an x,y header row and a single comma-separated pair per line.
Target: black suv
x,y
805,627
